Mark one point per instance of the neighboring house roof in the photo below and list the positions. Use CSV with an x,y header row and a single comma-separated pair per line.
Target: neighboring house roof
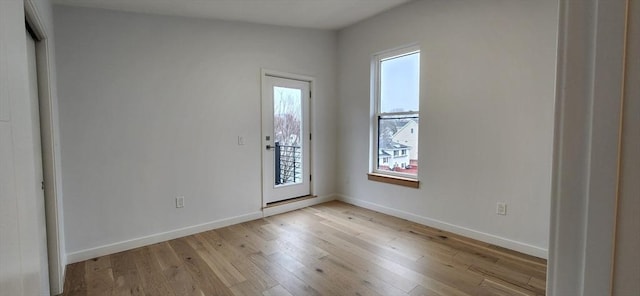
x,y
383,153
394,146
409,123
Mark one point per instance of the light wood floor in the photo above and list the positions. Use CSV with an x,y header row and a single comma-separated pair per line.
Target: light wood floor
x,y
328,249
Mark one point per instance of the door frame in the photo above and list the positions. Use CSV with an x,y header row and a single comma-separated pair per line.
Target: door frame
x,y
312,84
50,151
587,136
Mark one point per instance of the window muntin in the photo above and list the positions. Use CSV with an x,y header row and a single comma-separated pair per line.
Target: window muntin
x,y
397,99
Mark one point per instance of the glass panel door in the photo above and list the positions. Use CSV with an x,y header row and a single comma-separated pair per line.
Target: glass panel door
x,y
286,138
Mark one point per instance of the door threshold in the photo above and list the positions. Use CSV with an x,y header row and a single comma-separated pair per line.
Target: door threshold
x,y
288,201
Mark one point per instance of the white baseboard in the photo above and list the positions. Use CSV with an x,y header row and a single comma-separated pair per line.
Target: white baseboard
x,y
113,248
116,247
481,236
297,205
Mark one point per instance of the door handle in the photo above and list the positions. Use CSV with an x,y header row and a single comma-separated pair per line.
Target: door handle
x,y
269,147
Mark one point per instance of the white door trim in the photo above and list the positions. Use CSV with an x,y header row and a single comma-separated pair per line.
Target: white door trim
x,y
312,86
591,40
626,278
50,151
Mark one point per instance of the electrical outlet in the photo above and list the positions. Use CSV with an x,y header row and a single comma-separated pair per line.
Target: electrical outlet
x,y
180,202
240,140
501,208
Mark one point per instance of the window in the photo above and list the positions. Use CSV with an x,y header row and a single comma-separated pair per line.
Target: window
x,y
396,85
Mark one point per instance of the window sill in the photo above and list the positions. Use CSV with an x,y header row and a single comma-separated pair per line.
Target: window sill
x,y
394,180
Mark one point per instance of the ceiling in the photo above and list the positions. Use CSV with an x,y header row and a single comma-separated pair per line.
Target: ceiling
x,y
319,14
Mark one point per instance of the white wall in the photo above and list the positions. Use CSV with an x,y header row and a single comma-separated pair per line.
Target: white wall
x,y
487,107
151,108
23,265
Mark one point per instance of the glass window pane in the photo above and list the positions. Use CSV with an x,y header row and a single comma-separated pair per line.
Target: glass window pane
x,y
400,83
398,144
287,132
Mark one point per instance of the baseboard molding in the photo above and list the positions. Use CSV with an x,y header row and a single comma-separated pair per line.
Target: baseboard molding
x,y
481,236
113,248
288,207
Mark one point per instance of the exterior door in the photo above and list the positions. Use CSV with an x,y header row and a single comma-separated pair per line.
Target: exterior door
x,y
285,138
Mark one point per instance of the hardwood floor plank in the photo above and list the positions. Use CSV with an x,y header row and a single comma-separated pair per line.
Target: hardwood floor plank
x,y
239,260
230,251
400,241
204,277
98,264
388,264
497,272
498,287
241,241
361,222
382,243
217,262
313,278
453,241
518,256
540,284
276,291
366,231
396,239
245,288
466,282
125,275
99,276
328,249
150,272
180,281
367,279
534,270
336,271
461,280
75,284
361,265
256,276
243,233
468,259
288,280
339,282
422,291
256,227
373,216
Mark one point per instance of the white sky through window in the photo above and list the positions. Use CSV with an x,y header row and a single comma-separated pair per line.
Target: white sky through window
x,y
400,83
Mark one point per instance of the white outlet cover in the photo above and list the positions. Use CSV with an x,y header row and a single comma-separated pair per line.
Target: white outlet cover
x,y
180,202
501,208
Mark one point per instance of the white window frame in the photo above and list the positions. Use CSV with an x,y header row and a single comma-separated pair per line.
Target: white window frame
x,y
376,102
